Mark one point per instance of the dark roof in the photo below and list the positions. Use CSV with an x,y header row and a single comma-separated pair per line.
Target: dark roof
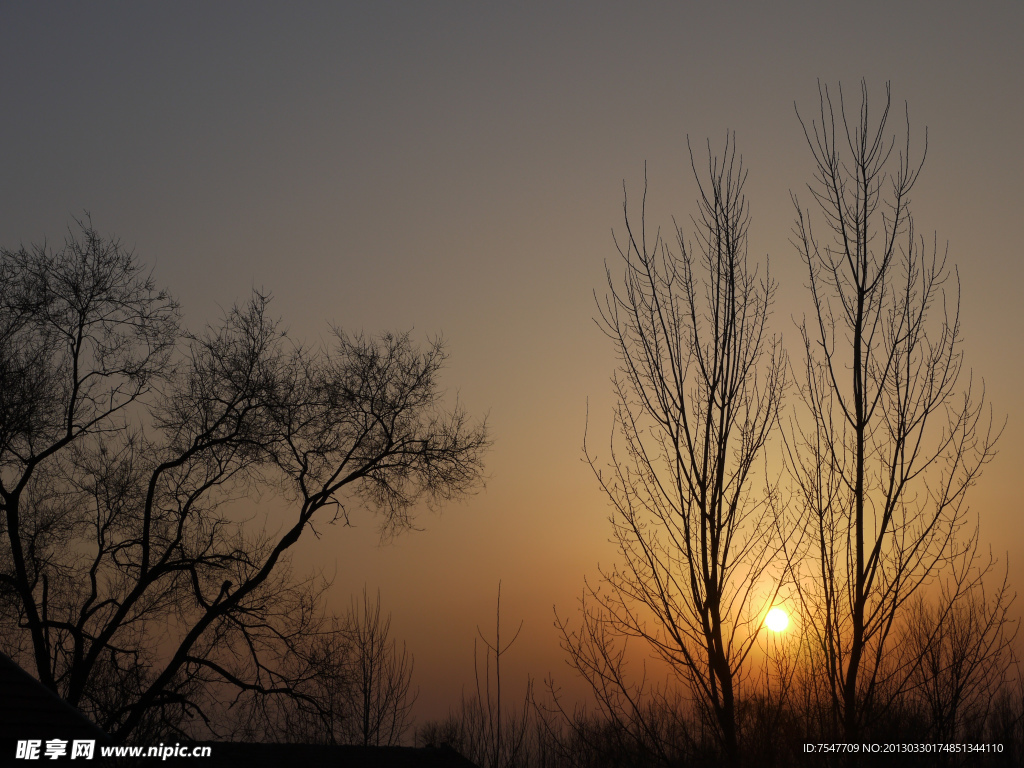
x,y
28,709
239,755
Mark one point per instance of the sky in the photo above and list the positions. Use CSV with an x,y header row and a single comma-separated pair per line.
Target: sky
x,y
457,168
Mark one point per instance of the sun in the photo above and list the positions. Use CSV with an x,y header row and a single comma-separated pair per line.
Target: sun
x,y
776,620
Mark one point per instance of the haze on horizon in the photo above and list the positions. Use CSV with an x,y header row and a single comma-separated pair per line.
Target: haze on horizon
x,y
457,169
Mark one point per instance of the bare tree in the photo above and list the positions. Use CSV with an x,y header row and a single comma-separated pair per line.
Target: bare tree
x,y
380,679
136,576
965,653
503,737
699,388
484,728
888,443
316,707
351,684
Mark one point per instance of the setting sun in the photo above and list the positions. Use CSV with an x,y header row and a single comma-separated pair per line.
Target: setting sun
x,y
776,620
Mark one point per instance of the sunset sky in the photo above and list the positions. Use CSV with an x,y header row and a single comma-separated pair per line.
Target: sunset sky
x,y
458,169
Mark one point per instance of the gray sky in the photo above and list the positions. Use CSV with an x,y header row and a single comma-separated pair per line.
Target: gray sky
x,y
457,168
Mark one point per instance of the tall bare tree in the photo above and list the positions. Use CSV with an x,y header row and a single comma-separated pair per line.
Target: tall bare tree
x,y
699,388
889,441
134,579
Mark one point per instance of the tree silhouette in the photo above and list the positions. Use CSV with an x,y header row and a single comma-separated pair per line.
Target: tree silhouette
x,y
381,677
133,580
888,443
484,728
699,387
